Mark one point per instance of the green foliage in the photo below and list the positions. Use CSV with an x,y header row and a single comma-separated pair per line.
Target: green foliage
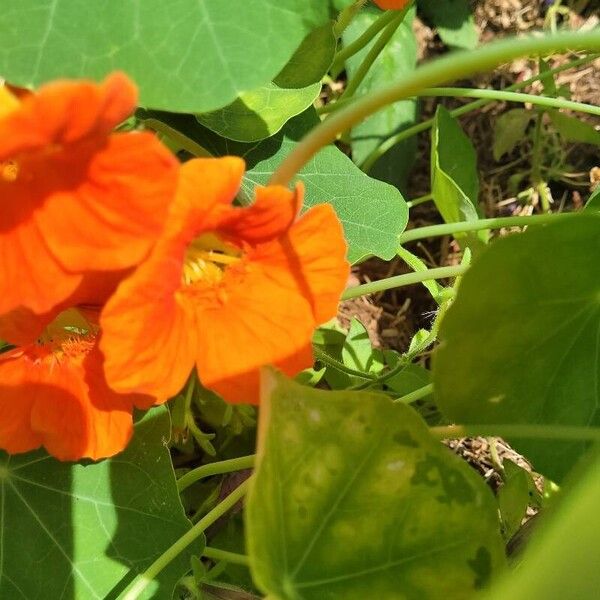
x,y
371,228
90,528
510,129
398,58
593,203
520,344
562,560
352,498
513,498
185,55
453,20
572,129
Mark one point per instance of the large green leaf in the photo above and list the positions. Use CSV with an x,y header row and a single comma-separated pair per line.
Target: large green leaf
x,y
372,212
186,55
453,20
521,344
84,531
562,561
573,129
397,60
260,113
354,499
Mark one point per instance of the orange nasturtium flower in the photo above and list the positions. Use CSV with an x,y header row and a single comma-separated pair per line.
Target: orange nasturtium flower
x,y
227,289
53,391
391,4
75,197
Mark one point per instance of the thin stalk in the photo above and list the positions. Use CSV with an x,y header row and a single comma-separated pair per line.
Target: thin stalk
x,y
402,280
226,556
463,110
142,581
497,223
416,395
345,17
215,468
372,54
336,364
448,68
419,200
538,432
507,96
360,42
185,142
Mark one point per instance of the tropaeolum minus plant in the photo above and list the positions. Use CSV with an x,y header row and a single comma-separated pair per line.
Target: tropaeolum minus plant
x,y
175,226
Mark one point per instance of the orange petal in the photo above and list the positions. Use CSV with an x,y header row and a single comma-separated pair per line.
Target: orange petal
x,y
391,4
18,392
31,274
110,216
65,112
149,333
310,260
245,388
250,321
272,213
205,186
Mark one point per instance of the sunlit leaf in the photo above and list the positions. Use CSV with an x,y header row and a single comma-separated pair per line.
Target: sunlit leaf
x,y
185,55
453,20
521,344
84,531
353,499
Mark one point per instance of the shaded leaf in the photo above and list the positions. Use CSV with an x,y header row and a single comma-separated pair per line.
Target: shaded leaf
x,y
513,498
562,559
397,60
509,130
185,55
593,203
453,20
89,529
353,499
573,129
260,113
521,343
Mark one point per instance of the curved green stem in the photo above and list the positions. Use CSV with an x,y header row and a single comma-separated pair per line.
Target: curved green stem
x,y
215,468
374,52
540,432
226,556
416,395
402,280
497,223
346,16
507,96
336,364
360,42
142,581
463,110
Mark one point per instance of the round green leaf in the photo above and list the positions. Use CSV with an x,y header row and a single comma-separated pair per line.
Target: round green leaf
x,y
261,113
521,344
84,531
185,55
354,499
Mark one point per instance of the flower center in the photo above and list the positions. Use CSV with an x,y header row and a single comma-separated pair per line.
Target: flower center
x,y
68,329
207,258
9,170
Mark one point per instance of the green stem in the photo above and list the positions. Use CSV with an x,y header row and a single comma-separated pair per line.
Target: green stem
x,y
372,54
538,432
346,16
419,200
336,364
507,96
401,280
497,223
215,468
185,142
463,110
226,556
416,395
360,42
142,581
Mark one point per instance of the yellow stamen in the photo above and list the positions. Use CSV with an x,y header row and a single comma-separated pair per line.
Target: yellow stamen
x,y
207,258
